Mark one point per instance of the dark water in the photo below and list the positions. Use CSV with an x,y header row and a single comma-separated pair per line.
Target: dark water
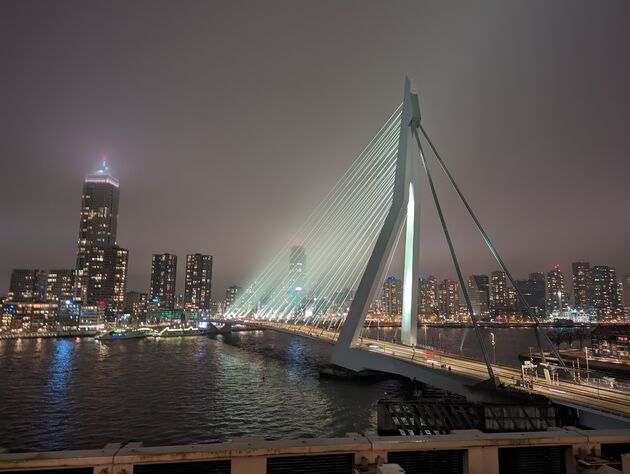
x,y
79,393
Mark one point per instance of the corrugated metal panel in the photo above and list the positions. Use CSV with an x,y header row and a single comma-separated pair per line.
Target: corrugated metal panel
x,y
327,463
196,467
537,460
428,462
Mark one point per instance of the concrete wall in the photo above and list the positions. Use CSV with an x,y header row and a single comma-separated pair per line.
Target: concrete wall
x,y
249,455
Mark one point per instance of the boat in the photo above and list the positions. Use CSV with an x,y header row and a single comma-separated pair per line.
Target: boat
x,y
124,334
181,332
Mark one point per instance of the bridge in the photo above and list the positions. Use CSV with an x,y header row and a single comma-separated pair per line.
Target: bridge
x,y
351,240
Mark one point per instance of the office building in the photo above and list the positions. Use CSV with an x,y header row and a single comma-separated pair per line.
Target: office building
x,y
163,280
198,284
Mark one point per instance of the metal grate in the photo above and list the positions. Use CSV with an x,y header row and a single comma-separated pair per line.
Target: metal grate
x,y
328,463
196,467
428,462
538,460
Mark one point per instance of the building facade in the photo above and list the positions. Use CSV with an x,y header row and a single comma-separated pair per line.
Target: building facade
x,y
392,296
555,292
231,294
163,279
198,284
428,299
581,286
479,293
498,300
60,285
605,293
449,299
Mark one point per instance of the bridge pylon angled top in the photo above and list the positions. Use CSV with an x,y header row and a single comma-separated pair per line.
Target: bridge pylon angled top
x,y
403,213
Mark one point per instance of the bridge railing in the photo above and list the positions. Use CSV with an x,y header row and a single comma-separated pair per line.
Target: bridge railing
x,y
466,452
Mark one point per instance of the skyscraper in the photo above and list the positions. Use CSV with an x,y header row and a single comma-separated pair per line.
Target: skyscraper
x,y
98,225
581,285
626,290
605,296
479,292
498,293
198,284
392,296
449,299
163,280
555,291
428,297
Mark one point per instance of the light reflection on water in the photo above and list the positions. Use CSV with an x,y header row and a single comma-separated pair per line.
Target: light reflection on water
x,y
80,393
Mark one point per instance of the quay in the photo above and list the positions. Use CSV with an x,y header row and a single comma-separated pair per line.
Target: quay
x,y
555,451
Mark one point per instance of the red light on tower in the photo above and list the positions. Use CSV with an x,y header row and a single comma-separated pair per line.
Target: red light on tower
x,y
102,303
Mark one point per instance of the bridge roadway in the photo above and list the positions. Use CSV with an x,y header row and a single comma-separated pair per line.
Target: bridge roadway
x,y
580,396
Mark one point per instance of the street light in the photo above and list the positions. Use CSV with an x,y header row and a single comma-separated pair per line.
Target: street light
x,y
494,352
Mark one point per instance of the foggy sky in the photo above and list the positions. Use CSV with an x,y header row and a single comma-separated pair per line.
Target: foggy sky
x,y
227,122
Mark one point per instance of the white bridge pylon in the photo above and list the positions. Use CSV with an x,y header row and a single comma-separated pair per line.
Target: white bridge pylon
x,y
404,211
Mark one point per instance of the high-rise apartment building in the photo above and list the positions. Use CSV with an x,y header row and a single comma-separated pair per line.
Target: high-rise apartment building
x,y
297,278
449,299
555,292
392,296
498,294
479,293
428,297
163,280
107,283
23,285
198,284
97,227
605,292
533,291
59,285
581,285
231,294
626,291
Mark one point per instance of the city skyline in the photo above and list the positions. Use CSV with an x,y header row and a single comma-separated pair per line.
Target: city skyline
x,y
191,183
103,175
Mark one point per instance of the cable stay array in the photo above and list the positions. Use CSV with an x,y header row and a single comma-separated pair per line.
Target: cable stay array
x,y
342,243
315,279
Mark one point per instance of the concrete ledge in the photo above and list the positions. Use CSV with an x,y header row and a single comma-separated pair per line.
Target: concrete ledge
x,y
250,452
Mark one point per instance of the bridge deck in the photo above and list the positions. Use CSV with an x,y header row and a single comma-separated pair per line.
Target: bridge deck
x,y
580,396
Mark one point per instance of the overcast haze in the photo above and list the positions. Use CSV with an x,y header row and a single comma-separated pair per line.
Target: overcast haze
x,y
227,122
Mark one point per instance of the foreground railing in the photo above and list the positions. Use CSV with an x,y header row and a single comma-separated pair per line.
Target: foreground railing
x,y
565,450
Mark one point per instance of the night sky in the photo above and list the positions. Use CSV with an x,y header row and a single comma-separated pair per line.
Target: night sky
x,y
227,122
